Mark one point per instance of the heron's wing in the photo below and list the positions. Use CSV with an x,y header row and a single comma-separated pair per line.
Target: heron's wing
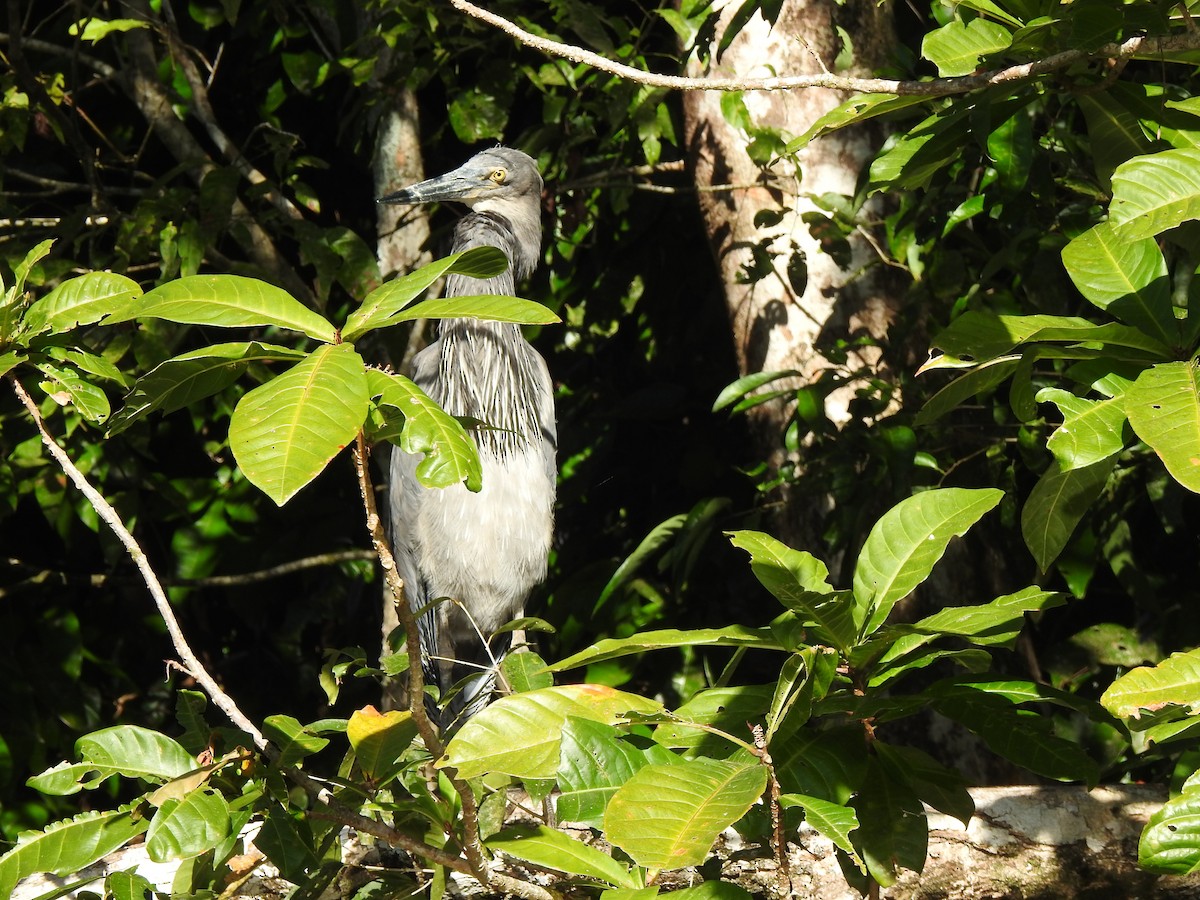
x,y
405,496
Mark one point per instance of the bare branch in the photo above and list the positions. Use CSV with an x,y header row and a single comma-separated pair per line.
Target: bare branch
x,y
936,87
472,845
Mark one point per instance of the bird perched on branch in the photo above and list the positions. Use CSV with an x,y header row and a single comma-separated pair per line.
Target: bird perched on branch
x,y
484,551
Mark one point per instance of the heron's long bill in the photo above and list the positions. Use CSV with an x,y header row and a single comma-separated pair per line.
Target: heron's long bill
x,y
467,182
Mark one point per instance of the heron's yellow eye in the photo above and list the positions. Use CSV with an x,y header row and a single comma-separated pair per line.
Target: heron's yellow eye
x,y
499,176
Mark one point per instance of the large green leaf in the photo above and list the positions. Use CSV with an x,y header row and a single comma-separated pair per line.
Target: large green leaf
x,y
1116,133
388,299
800,582
228,301
294,740
594,761
913,159
906,543
980,336
1164,409
68,846
956,47
1091,430
893,832
547,848
128,750
492,307
1019,735
1173,682
82,301
979,380
1170,843
450,456
729,636
1056,504
179,382
521,735
833,820
990,624
943,788
829,763
1127,278
1154,193
380,739
187,827
285,432
852,111
667,817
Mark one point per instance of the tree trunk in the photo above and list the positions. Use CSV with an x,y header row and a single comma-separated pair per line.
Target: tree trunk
x,y
784,314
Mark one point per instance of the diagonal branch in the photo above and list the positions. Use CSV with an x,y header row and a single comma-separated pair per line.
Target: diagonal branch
x,y
936,87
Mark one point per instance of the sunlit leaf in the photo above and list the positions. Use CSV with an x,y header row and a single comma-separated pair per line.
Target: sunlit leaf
x,y
667,817
1173,682
82,301
285,432
551,849
1164,409
1156,192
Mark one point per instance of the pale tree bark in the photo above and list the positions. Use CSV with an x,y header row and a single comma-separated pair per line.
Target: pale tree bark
x,y
782,321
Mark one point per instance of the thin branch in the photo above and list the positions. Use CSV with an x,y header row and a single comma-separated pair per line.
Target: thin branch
x,y
935,87
472,845
40,575
111,518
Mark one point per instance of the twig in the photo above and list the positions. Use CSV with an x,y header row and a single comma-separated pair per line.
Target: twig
x,y
40,575
935,87
778,837
111,518
471,844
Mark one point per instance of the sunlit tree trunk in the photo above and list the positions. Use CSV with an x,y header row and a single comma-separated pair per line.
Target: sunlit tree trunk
x,y
784,317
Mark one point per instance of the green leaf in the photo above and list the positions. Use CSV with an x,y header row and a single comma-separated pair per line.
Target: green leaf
x,y
668,817
981,336
66,386
1164,409
128,750
612,648
1154,193
288,844
185,828
829,763
1091,430
906,543
93,30
521,735
956,47
450,454
1056,504
551,849
725,708
1019,735
228,301
1011,148
122,885
852,111
285,432
893,832
293,739
1170,842
1116,133
594,761
82,301
979,380
800,582
380,739
388,299
68,846
1173,682
912,160
941,787
525,671
659,536
833,820
1125,277
991,624
490,307
9,361
183,380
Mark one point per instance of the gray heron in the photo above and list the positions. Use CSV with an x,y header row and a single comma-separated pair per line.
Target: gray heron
x,y
484,551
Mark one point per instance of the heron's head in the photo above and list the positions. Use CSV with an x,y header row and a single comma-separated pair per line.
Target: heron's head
x,y
491,181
